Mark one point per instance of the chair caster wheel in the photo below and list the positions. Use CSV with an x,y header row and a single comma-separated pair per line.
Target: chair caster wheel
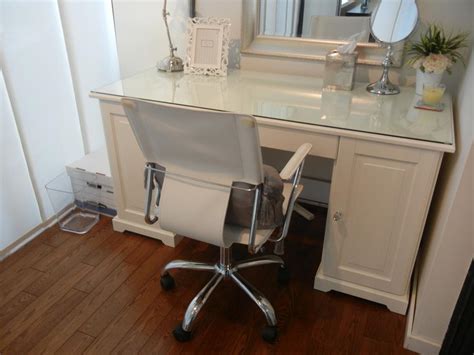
x,y
181,335
283,275
167,282
270,333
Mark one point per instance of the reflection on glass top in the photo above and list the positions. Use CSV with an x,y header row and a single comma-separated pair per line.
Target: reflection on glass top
x,y
292,98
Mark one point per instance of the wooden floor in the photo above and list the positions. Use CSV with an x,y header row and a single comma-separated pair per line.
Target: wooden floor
x,y
100,293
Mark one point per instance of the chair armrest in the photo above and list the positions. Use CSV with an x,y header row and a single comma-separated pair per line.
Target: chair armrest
x,y
295,161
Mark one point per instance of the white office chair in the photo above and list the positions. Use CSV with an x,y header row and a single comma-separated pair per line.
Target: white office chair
x,y
195,159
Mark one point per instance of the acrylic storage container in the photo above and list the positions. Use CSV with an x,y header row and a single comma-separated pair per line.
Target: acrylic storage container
x,y
74,206
339,71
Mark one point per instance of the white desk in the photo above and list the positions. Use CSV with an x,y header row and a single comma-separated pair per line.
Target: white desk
x,y
386,161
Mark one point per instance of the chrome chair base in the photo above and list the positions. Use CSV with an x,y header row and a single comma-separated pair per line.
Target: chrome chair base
x,y
225,269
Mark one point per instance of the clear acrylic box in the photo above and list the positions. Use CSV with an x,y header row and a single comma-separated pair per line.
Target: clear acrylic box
x,y
74,205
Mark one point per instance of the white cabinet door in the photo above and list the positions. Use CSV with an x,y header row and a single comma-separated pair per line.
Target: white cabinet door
x,y
380,196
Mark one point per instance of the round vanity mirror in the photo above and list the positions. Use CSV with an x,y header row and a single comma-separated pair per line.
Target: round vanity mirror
x,y
392,21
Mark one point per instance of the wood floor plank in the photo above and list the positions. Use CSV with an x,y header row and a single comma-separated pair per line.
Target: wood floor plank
x,y
96,256
69,247
117,252
34,333
37,308
69,258
22,280
385,326
52,237
188,284
126,312
55,237
14,264
351,329
122,324
375,347
126,293
9,310
234,317
76,344
71,323
144,327
162,341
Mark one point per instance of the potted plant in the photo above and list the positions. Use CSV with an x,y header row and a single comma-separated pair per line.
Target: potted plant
x,y
434,53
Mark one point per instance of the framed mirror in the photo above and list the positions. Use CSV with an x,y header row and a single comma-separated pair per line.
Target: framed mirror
x,y
308,29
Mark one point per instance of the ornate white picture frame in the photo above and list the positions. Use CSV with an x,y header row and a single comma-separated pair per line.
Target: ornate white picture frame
x,y
208,46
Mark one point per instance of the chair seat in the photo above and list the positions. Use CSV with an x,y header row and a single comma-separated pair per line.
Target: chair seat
x,y
234,234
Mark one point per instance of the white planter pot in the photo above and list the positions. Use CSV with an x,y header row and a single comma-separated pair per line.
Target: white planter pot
x,y
426,78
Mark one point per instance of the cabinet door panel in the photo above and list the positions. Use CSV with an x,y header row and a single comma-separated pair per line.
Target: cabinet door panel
x,y
383,192
380,187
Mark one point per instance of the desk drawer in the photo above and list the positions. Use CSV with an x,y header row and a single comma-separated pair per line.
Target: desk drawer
x,y
289,139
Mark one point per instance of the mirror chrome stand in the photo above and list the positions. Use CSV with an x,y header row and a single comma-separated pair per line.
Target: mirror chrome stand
x,y
171,63
383,86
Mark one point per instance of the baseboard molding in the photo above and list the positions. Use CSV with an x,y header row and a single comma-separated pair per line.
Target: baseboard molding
x,y
395,303
412,341
168,238
26,238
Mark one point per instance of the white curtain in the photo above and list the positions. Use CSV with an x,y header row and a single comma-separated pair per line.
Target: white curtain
x,y
53,53
279,17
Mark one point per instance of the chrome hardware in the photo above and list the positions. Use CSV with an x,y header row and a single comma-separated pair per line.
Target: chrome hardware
x,y
172,63
225,269
150,186
292,200
337,216
252,248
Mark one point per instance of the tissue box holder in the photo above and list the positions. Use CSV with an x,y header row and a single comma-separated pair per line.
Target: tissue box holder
x,y
339,71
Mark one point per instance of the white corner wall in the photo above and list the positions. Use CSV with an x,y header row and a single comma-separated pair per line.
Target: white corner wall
x,y
16,190
448,241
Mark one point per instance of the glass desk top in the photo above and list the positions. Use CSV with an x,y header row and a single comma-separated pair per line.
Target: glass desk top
x,y
293,98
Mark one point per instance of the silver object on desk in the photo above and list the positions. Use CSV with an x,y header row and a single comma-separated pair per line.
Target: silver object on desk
x,y
391,22
172,63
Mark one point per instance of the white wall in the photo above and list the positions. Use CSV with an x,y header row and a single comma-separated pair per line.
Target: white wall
x,y
141,33
448,241
53,53
16,190
90,44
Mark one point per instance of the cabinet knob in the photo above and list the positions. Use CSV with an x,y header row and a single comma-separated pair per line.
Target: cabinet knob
x,y
337,216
